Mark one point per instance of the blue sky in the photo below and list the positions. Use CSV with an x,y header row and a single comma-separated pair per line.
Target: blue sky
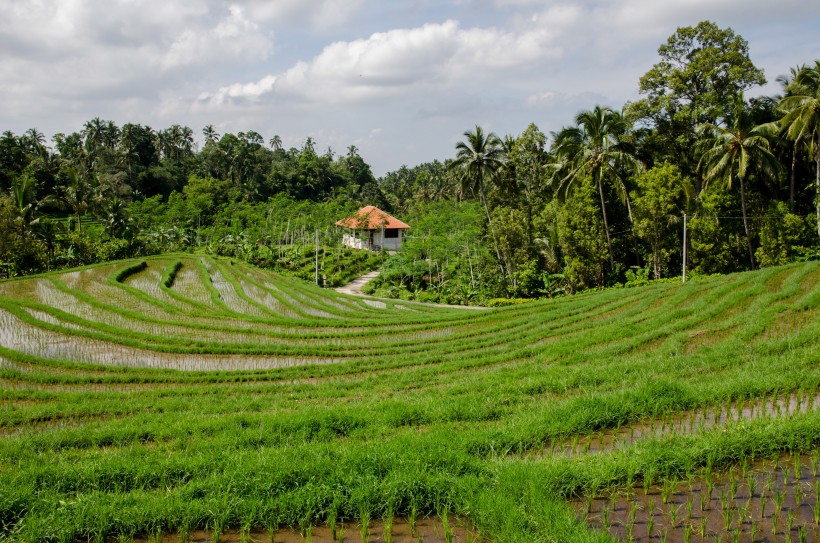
x,y
401,80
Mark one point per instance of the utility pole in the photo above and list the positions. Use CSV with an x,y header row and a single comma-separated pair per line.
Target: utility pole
x,y
684,248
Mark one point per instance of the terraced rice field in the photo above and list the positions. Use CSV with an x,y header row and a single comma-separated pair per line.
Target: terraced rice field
x,y
186,398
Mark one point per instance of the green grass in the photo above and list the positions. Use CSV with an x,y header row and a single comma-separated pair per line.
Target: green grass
x,y
316,406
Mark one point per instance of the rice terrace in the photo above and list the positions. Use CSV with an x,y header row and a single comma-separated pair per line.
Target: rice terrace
x,y
195,398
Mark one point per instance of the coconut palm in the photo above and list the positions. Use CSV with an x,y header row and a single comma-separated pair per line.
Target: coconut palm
x,y
276,142
802,118
598,146
731,151
210,134
478,160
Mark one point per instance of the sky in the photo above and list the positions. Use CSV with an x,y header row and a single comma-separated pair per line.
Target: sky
x,y
401,80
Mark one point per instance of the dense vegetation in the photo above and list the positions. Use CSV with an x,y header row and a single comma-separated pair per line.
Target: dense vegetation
x,y
172,394
598,203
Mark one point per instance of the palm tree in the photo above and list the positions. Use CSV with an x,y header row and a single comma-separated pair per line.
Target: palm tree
x,y
22,190
732,150
276,142
787,82
802,118
597,146
478,159
210,134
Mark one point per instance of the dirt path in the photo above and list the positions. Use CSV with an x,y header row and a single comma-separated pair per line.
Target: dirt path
x,y
355,288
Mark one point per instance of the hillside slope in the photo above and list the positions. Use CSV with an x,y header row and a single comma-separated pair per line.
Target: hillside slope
x,y
181,392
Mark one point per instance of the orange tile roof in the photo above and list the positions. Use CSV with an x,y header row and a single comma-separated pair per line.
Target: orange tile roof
x,y
371,218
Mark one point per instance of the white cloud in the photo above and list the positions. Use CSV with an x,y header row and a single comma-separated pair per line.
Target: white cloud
x,y
321,14
239,91
233,38
403,61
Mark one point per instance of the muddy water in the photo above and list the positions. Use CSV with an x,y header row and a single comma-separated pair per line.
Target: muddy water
x,y
765,501
688,422
426,530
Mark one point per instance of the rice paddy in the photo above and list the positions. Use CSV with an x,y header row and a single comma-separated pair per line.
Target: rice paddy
x,y
190,398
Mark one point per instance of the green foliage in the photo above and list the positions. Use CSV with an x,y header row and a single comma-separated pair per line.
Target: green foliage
x,y
441,410
784,237
656,204
581,236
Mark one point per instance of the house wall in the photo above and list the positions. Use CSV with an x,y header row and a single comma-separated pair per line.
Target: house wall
x,y
372,240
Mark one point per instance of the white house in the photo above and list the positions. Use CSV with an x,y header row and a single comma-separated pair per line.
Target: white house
x,y
371,228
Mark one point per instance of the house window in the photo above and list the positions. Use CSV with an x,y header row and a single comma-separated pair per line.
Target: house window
x,y
391,233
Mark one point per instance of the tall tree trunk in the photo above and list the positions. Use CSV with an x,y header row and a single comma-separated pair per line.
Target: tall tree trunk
x,y
792,177
492,233
817,184
746,222
606,222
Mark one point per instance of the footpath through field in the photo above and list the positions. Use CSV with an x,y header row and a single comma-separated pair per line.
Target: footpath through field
x,y
355,288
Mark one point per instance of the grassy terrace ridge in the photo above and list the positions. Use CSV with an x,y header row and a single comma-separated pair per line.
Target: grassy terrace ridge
x,y
182,392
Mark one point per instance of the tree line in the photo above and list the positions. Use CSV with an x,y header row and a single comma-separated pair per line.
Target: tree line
x,y
602,201
597,203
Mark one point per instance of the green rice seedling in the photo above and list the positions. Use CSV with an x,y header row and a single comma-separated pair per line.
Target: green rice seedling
x,y
775,519
650,524
751,484
725,499
779,497
790,516
184,530
245,534
340,533
364,524
387,527
411,519
798,494
633,511
801,534
687,533
798,466
754,529
815,463
605,517
726,514
630,531
816,508
445,524
733,485
613,498
668,489
769,481
216,530
331,518
702,527
710,486
690,503
674,513
664,535
306,526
